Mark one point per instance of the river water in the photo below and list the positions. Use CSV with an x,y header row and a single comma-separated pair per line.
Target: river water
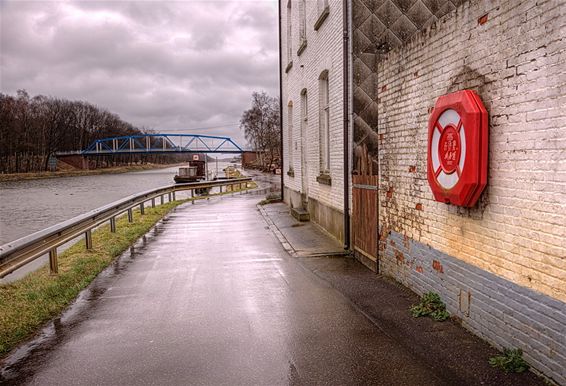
x,y
32,205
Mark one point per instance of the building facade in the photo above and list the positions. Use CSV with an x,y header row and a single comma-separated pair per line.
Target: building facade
x,y
312,109
499,266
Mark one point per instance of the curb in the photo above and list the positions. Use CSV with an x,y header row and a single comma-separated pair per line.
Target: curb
x,y
282,239
287,245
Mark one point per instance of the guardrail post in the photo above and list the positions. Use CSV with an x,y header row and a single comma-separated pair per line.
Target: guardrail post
x,y
220,188
142,208
88,239
169,196
192,193
174,197
130,215
53,266
113,224
161,199
153,202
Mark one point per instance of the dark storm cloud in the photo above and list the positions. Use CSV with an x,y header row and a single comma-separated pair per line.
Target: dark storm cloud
x,y
166,65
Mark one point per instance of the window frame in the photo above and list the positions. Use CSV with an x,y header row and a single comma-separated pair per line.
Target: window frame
x,y
289,36
324,123
302,27
323,10
290,139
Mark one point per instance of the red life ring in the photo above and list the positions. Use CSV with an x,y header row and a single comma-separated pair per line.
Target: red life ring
x,y
448,148
457,148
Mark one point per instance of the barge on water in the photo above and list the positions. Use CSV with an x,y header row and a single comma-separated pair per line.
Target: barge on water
x,y
187,174
196,171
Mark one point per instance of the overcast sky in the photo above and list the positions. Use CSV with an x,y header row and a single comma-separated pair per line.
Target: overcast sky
x,y
168,65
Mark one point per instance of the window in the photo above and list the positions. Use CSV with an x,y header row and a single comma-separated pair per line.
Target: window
x,y
290,134
322,10
289,33
302,26
324,123
304,126
304,113
321,5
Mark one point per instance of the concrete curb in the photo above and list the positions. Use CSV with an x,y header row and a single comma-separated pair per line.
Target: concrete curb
x,y
277,232
287,244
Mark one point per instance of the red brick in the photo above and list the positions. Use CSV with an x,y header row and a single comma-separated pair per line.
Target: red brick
x,y
437,266
400,257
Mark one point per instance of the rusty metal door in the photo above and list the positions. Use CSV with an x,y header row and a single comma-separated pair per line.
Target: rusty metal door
x,y
364,215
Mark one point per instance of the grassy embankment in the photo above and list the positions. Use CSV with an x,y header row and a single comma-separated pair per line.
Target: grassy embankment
x,y
72,172
27,304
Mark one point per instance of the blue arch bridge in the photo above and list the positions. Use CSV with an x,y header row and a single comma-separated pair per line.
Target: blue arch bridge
x,y
162,143
151,144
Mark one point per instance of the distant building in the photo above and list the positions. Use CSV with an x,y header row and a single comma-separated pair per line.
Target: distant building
x,y
500,265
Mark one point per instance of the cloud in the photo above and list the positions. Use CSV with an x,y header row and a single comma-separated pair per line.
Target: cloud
x,y
164,65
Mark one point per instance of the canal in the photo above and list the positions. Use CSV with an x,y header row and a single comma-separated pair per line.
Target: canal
x,y
32,205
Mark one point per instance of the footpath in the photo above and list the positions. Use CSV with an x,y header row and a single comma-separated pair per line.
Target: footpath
x,y
212,297
451,352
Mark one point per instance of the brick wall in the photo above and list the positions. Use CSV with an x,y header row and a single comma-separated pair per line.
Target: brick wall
x,y
513,242
323,52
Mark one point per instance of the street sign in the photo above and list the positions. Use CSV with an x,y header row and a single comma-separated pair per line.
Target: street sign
x,y
52,163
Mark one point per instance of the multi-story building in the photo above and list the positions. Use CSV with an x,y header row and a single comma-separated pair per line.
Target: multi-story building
x,y
500,265
313,111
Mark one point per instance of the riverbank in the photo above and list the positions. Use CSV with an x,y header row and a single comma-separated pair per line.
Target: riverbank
x,y
28,303
80,172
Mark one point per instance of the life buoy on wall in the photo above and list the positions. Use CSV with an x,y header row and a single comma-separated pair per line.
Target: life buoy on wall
x,y
458,148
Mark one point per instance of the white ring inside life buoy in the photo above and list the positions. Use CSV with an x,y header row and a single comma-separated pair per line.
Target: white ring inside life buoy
x,y
448,118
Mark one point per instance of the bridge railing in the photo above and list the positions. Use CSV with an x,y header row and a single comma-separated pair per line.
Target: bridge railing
x,y
18,253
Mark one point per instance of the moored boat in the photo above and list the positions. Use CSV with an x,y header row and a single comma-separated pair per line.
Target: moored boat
x,y
188,174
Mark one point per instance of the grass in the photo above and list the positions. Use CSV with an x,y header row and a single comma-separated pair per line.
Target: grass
x,y
432,306
270,199
27,304
511,361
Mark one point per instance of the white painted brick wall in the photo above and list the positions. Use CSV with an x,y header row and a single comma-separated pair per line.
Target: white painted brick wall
x,y
516,62
323,52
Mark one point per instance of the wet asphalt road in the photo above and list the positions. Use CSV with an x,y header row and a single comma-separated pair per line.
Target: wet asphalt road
x,y
211,298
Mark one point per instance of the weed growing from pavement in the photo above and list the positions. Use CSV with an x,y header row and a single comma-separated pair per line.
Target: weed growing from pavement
x,y
271,198
511,361
432,306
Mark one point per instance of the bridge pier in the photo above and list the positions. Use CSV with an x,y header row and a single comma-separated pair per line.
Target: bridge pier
x,y
75,160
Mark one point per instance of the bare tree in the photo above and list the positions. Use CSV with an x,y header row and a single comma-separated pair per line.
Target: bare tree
x,y
32,129
261,128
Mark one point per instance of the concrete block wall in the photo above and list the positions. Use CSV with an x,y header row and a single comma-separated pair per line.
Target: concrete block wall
x,y
500,266
323,52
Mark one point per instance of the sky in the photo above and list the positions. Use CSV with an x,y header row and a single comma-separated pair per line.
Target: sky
x,y
165,65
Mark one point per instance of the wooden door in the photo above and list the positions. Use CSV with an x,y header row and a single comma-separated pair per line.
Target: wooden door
x,y
364,216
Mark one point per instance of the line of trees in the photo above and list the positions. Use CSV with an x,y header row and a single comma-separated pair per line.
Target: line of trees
x,y
262,129
34,128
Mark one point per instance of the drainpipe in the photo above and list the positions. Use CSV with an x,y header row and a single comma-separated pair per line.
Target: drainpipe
x,y
281,106
345,75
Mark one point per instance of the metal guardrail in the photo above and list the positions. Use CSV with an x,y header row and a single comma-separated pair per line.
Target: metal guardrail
x,y
18,253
